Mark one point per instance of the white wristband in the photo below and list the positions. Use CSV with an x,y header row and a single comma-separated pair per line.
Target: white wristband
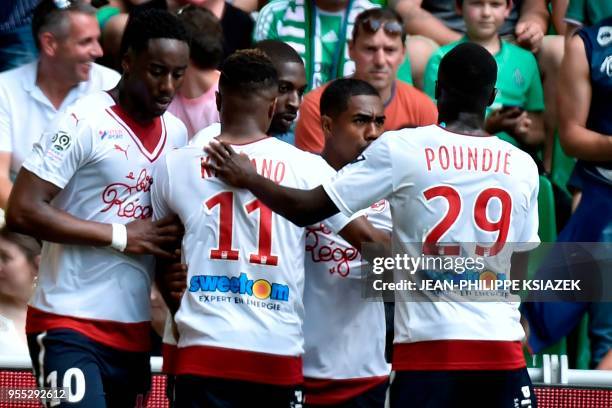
x,y
119,241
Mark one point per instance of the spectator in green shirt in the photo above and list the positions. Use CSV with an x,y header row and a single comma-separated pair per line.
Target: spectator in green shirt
x,y
516,114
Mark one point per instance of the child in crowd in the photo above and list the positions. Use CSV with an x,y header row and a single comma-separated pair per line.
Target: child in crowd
x,y
516,114
19,257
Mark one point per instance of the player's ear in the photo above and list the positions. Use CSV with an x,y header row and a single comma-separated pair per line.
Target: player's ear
x,y
326,125
492,97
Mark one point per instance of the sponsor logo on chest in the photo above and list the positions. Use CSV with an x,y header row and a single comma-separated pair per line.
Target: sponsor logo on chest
x,y
110,134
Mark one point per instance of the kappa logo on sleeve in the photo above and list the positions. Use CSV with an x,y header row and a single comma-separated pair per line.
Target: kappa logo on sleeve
x,y
61,141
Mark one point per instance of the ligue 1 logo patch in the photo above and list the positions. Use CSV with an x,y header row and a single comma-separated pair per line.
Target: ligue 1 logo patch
x,y
61,141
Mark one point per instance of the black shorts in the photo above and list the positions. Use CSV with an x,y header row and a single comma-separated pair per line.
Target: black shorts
x,y
373,398
98,376
204,392
465,388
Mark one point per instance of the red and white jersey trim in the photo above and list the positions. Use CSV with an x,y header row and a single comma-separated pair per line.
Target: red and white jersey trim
x,y
123,336
152,155
458,355
235,364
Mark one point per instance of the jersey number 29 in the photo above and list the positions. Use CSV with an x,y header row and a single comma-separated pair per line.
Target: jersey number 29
x,y
454,200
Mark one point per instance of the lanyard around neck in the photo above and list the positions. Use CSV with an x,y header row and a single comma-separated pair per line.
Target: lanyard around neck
x,y
311,17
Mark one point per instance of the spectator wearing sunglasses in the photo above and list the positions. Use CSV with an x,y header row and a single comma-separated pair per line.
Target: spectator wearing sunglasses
x,y
516,114
378,48
66,34
319,31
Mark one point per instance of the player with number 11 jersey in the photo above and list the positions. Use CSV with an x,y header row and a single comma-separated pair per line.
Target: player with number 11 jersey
x,y
246,264
241,316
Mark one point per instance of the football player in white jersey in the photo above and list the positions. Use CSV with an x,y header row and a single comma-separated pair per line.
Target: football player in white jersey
x,y
447,185
344,336
240,321
85,191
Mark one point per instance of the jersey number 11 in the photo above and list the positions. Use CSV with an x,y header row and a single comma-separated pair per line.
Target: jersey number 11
x,y
225,201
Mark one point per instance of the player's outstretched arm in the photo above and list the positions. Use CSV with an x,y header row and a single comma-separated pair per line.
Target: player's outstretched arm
x,y
302,207
30,212
574,101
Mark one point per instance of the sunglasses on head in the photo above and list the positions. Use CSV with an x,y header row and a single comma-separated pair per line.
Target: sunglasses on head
x,y
372,25
62,4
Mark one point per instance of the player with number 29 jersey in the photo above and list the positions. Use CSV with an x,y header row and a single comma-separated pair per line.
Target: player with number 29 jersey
x,y
241,316
450,188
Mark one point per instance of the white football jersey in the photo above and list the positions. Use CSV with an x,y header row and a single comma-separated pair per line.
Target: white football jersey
x,y
446,189
241,316
344,333
203,137
103,163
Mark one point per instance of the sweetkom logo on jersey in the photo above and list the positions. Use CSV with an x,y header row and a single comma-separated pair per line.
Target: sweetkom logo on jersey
x,y
243,285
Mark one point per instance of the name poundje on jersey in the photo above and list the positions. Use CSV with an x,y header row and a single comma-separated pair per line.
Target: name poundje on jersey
x,y
470,158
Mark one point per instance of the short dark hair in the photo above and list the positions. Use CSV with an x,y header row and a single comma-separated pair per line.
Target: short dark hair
x,y
150,24
468,74
334,99
246,72
383,14
205,36
52,16
279,52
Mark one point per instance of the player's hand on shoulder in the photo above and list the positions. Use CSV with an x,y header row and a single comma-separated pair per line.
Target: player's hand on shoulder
x,y
145,236
233,168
